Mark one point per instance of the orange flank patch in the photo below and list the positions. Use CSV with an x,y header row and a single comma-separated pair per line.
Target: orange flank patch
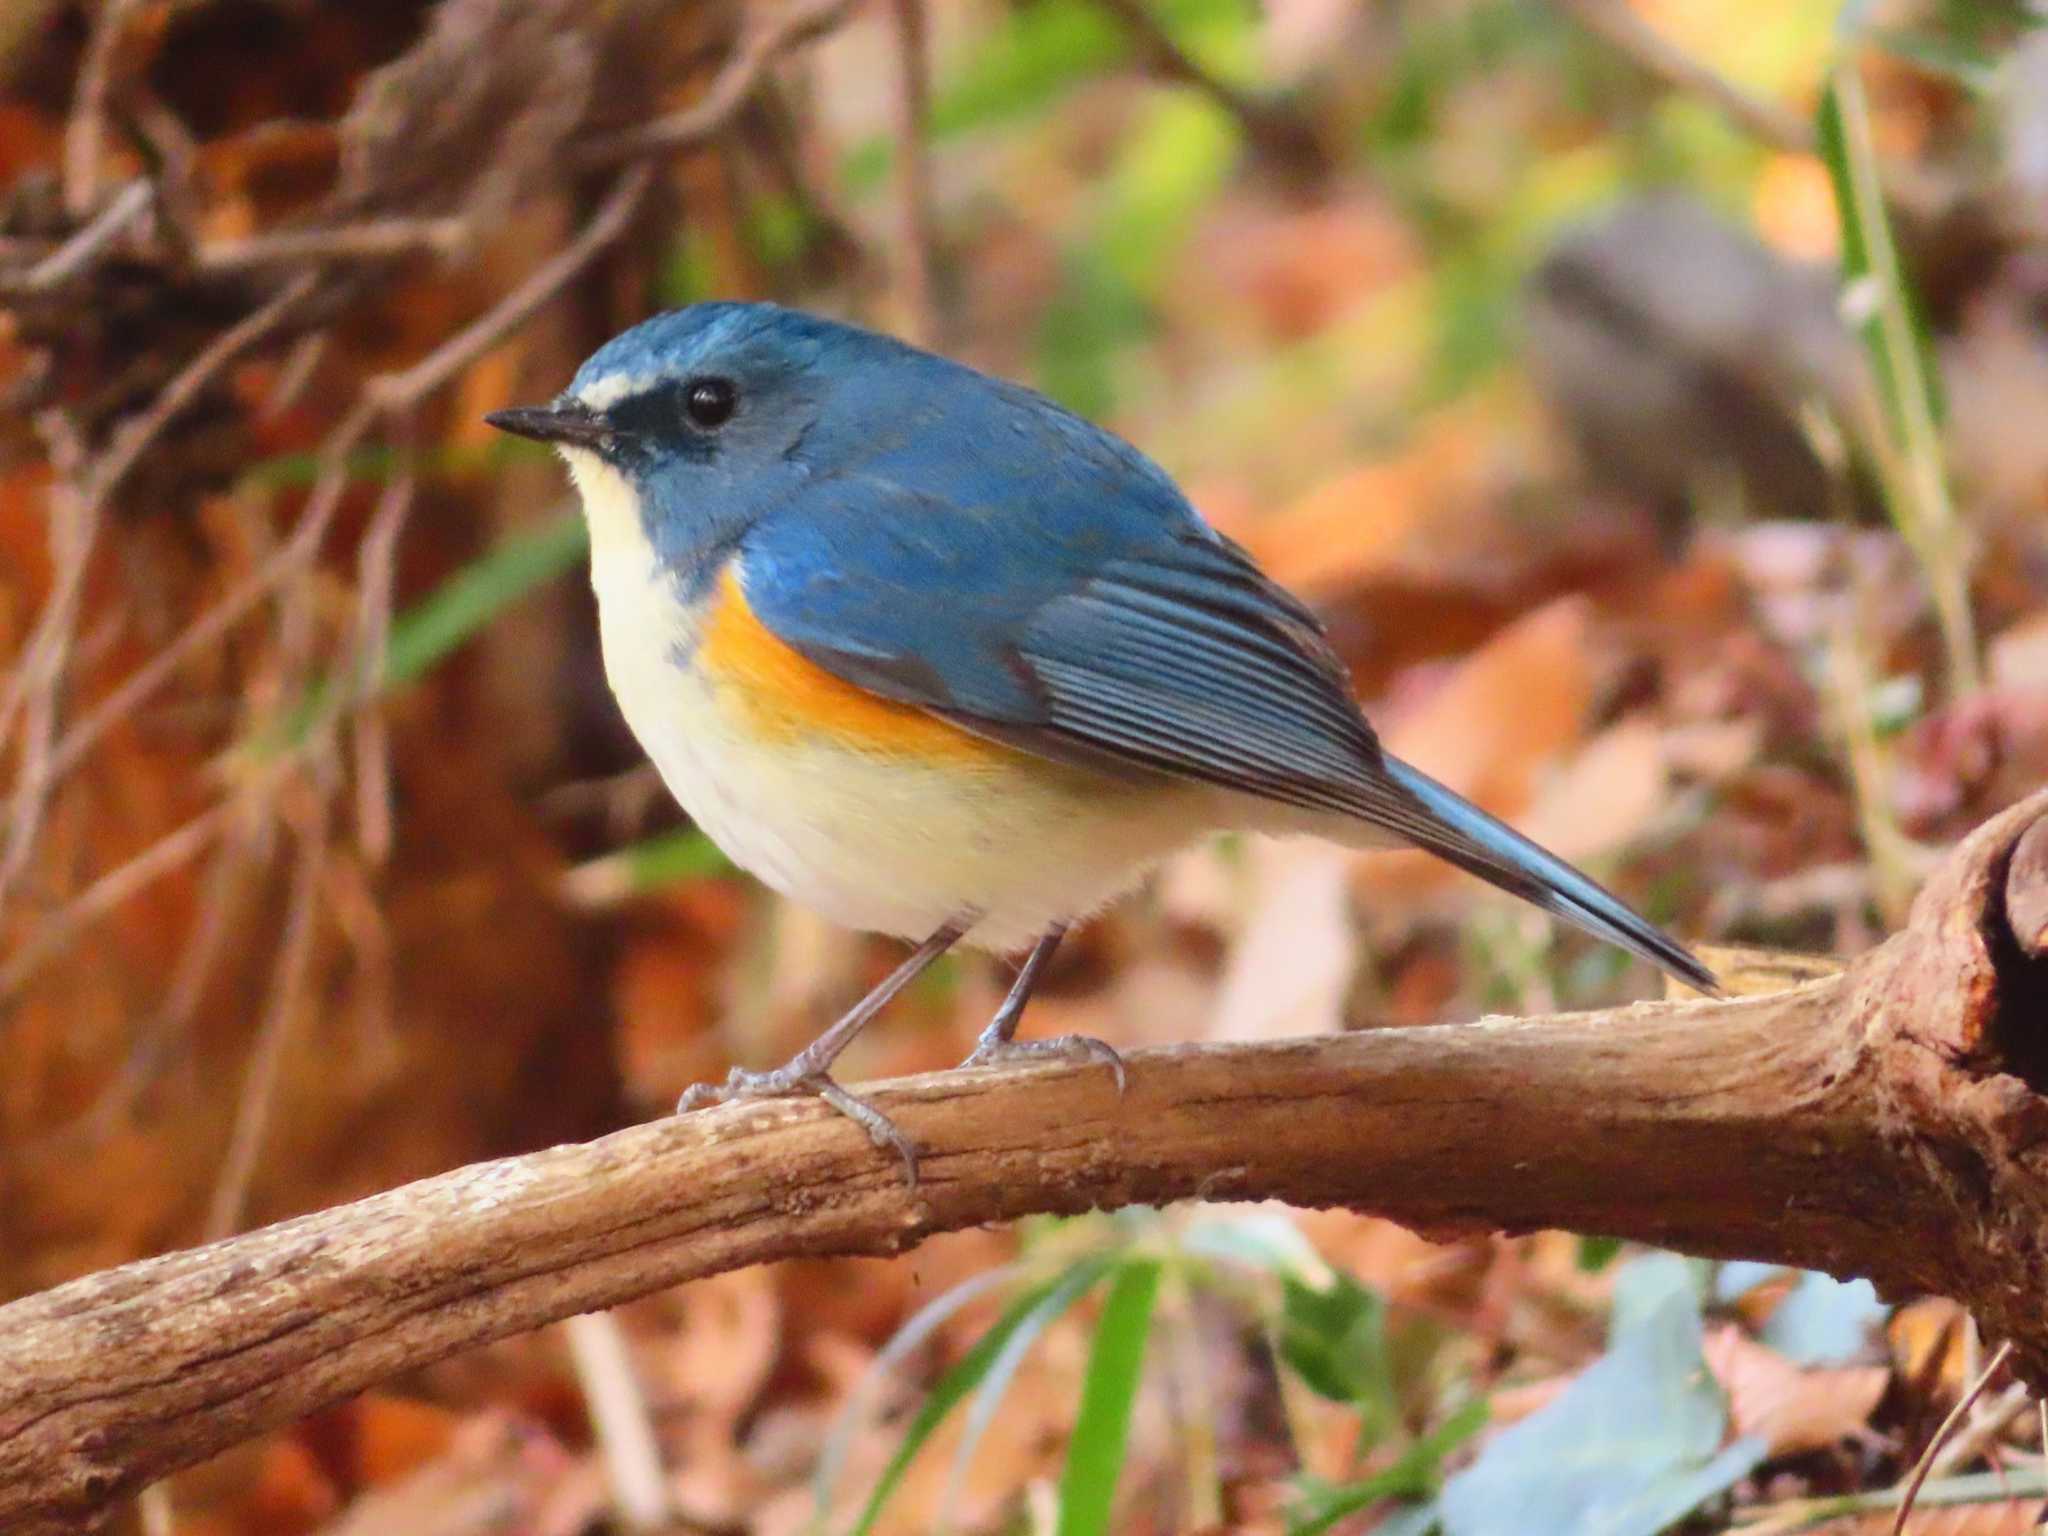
x,y
785,695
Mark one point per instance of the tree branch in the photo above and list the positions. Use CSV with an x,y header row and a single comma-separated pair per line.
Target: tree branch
x,y
1887,1121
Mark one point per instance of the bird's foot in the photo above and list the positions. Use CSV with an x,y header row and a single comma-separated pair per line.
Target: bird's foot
x,y
796,1080
994,1051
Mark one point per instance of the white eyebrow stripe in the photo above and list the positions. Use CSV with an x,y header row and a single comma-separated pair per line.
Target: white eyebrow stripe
x,y
602,394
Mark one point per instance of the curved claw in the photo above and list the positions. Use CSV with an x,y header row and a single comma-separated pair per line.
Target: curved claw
x,y
1081,1048
783,1083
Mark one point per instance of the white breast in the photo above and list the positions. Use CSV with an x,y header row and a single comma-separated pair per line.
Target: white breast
x,y
870,840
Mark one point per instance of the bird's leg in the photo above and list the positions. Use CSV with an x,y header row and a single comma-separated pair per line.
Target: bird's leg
x,y
809,1071
998,1042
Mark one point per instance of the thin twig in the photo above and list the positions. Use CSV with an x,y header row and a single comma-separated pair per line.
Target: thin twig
x,y
109,891
373,240
1987,1423
796,23
71,257
401,391
1283,137
266,1058
78,501
87,123
619,1415
36,683
1787,1516
914,177
138,433
71,521
386,393
1624,30
158,1041
1947,1428
302,546
376,567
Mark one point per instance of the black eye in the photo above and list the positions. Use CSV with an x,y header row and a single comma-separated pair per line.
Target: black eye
x,y
710,402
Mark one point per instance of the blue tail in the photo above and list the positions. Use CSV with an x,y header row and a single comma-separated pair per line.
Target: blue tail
x,y
1455,829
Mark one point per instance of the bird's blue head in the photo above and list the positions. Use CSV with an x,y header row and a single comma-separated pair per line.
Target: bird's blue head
x,y
690,426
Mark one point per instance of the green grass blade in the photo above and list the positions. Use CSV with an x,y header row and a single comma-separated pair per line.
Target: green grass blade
x,y
1095,1453
988,1397
462,605
1415,1475
922,1325
666,859
963,1378
1907,442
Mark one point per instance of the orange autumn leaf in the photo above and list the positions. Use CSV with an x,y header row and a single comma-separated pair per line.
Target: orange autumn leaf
x,y
395,1435
1416,515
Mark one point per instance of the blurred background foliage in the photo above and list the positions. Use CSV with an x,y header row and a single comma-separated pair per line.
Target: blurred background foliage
x,y
1648,393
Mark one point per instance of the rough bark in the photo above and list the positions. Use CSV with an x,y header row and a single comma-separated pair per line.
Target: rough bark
x,y
1887,1121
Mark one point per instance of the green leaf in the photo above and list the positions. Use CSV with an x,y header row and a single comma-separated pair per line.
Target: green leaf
x,y
1036,54
1630,1447
1095,1451
1335,1339
1168,169
947,1393
1596,1253
1414,1476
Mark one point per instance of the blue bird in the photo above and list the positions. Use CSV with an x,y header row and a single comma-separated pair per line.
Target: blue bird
x,y
929,654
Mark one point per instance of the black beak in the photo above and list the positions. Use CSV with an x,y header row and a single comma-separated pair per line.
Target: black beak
x,y
563,421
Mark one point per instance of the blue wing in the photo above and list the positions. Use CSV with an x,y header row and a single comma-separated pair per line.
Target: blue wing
x,y
1049,587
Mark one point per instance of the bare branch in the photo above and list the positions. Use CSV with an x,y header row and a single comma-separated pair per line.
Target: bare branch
x,y
82,133
68,259
733,84
373,240
914,173
1883,1121
167,853
1284,138
1664,60
280,1012
388,393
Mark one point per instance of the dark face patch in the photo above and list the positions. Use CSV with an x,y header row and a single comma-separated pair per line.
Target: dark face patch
x,y
657,422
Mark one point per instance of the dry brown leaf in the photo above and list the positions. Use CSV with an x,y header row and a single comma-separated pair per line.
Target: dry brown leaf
x,y
1606,796
1289,967
1789,1408
1422,515
1499,720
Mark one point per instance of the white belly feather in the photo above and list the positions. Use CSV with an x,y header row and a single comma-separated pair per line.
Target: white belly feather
x,y
870,840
